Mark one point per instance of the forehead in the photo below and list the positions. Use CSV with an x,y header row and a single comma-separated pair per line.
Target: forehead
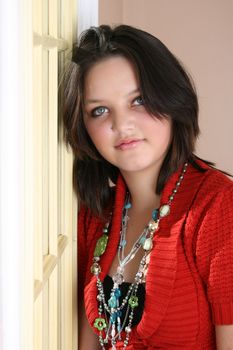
x,y
110,75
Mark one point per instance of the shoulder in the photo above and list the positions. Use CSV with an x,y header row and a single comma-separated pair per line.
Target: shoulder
x,y
209,212
214,203
214,199
218,188
214,186
216,195
217,179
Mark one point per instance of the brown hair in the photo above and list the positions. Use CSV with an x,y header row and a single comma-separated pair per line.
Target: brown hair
x,y
167,90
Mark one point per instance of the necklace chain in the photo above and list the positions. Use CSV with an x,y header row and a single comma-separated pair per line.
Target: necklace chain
x,y
123,261
109,322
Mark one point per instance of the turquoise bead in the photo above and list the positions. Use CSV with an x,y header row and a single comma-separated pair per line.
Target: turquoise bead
x,y
112,302
155,214
113,318
142,240
117,293
123,243
128,205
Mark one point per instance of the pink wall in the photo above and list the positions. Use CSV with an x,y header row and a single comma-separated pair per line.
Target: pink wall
x,y
200,33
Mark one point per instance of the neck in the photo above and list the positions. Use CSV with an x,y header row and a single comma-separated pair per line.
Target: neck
x,y
142,190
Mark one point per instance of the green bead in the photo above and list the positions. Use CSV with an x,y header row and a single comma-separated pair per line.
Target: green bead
x,y
100,323
133,301
101,245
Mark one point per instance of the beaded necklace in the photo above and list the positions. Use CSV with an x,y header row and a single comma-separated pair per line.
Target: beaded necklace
x,y
109,321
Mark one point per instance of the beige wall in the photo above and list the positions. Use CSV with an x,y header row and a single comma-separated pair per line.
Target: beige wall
x,y
111,11
200,33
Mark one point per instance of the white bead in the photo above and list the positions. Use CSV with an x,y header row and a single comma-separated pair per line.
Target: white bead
x,y
164,210
118,278
148,244
128,329
153,225
120,270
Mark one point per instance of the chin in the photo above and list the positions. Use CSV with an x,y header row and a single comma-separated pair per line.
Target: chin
x,y
142,167
134,168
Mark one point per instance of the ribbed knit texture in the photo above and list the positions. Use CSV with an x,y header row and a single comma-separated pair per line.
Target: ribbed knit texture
x,y
189,284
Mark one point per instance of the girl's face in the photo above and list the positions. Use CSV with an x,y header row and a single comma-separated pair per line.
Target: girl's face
x,y
123,132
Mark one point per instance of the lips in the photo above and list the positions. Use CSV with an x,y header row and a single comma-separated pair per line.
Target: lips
x,y
128,144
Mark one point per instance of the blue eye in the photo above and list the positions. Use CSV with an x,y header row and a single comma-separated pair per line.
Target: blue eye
x,y
138,101
99,111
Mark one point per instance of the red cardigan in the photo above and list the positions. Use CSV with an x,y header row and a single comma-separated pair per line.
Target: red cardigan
x,y
189,283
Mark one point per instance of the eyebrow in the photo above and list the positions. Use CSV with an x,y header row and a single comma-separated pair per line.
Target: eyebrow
x,y
93,100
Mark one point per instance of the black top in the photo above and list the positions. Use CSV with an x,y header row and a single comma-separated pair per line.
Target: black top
x,y
138,311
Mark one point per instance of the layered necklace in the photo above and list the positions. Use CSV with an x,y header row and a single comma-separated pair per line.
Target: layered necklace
x,y
111,325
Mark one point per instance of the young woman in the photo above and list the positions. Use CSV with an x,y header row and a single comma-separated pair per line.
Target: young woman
x,y
155,235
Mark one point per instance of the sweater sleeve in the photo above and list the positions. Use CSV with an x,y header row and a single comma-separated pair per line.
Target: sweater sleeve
x,y
215,255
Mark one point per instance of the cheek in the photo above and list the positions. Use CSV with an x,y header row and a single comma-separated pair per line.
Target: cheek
x,y
98,134
159,128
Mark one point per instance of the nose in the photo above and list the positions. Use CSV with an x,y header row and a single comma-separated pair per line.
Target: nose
x,y
123,120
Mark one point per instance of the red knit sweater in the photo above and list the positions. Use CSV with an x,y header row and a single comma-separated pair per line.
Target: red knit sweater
x,y
189,283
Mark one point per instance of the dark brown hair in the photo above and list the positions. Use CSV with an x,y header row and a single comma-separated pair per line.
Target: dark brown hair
x,y
166,88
